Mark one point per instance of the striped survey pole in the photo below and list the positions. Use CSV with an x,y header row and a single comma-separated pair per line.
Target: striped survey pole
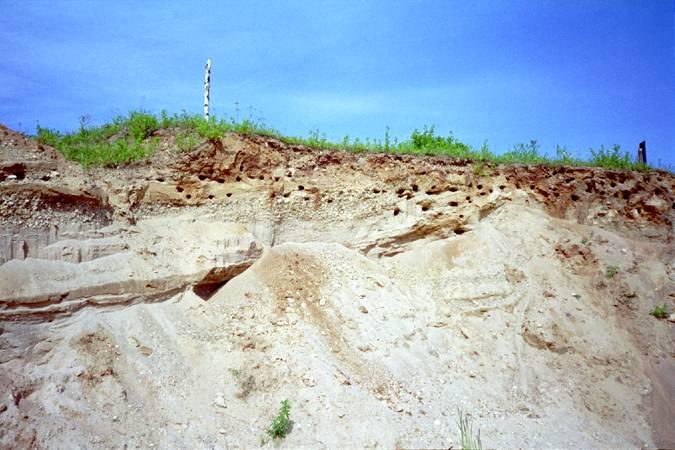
x,y
207,88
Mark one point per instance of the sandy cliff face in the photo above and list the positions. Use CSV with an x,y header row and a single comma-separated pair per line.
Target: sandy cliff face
x,y
175,302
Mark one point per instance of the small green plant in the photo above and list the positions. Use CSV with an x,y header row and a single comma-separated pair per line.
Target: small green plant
x,y
141,125
467,441
611,271
524,154
564,156
47,136
210,129
613,158
479,169
281,424
186,142
660,312
587,240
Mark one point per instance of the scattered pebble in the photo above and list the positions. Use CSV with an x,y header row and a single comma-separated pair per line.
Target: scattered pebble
x,y
220,400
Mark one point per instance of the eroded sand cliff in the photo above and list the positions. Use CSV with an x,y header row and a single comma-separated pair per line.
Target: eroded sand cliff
x,y
175,302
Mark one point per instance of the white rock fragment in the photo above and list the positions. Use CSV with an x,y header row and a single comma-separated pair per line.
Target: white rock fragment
x,y
219,401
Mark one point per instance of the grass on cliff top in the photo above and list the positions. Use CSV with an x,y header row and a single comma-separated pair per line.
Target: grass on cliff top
x,y
130,138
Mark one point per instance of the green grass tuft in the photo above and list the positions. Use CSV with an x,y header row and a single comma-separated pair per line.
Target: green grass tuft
x,y
660,312
588,240
187,141
613,159
611,271
467,441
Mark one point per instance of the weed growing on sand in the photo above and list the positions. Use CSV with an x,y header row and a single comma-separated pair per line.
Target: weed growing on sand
x,y
467,441
125,139
587,240
613,159
186,141
281,424
479,169
524,154
611,271
132,137
660,312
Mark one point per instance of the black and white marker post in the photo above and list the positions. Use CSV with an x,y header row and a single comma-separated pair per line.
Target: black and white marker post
x,y
207,88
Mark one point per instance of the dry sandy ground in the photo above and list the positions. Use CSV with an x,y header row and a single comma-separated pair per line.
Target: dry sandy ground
x,y
176,304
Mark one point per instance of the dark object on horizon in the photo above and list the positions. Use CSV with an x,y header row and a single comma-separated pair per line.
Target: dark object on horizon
x,y
642,153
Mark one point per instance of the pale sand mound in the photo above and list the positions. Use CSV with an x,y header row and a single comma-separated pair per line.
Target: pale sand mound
x,y
369,352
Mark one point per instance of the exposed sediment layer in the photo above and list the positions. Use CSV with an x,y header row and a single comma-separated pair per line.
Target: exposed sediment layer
x,y
176,301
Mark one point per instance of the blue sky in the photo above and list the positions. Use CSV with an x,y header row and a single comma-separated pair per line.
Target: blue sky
x,y
575,73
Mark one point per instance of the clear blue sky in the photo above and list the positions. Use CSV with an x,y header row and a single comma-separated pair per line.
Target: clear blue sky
x,y
576,73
